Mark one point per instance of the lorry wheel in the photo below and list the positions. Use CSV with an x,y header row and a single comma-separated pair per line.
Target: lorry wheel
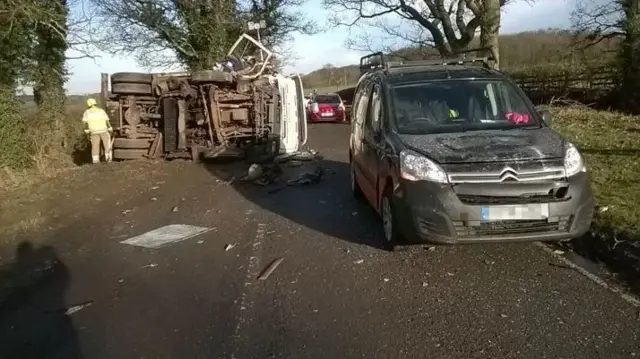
x,y
129,154
131,89
131,77
211,76
141,143
170,124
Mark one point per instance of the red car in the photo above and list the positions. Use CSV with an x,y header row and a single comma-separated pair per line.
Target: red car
x,y
326,108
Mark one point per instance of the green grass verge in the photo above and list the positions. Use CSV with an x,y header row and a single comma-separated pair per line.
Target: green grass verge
x,y
610,143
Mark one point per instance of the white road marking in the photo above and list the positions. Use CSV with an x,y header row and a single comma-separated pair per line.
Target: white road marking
x,y
166,235
594,278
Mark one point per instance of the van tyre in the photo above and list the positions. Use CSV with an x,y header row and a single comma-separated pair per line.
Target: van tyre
x,y
392,235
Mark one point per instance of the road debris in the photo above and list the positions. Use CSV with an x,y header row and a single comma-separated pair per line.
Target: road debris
x,y
152,265
200,242
425,284
78,307
359,261
386,280
558,252
431,248
503,315
269,269
126,211
154,199
228,247
174,209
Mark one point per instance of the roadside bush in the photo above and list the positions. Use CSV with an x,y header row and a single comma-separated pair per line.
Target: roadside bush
x,y
13,139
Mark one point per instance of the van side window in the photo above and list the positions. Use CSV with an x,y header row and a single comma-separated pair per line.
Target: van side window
x,y
374,114
360,109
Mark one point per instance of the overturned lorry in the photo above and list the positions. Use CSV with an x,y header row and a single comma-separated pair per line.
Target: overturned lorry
x,y
241,104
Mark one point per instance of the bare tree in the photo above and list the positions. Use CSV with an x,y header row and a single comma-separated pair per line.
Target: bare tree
x,y
195,33
449,26
618,19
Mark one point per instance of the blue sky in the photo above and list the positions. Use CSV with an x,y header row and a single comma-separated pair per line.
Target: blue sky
x,y
328,47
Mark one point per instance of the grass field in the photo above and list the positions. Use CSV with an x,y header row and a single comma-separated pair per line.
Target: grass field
x,y
610,143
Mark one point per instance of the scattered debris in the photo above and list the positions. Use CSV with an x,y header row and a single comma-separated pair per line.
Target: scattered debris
x,y
229,247
155,187
152,265
269,269
503,315
558,252
174,209
604,209
78,307
488,262
154,199
425,284
431,248
126,211
165,235
386,280
200,242
359,261
450,274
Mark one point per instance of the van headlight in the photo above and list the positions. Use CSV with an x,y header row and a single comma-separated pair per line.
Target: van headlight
x,y
573,161
414,167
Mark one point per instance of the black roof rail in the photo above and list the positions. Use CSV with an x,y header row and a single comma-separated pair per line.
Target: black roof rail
x,y
482,61
372,61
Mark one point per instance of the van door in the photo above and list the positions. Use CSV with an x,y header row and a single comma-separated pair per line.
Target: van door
x,y
371,143
359,147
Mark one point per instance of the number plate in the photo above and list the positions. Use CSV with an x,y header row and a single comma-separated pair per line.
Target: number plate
x,y
515,212
327,114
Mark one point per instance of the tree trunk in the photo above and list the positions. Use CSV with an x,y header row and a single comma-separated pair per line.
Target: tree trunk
x,y
629,56
490,31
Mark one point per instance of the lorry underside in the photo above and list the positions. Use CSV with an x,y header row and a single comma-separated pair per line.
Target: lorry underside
x,y
241,104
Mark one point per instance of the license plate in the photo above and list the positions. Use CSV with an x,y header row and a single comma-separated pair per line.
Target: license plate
x,y
515,212
327,114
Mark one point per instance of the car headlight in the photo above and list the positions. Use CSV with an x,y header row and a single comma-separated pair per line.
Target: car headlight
x,y
414,167
573,162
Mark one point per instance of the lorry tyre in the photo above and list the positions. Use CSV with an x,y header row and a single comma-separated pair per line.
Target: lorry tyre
x,y
140,143
129,154
211,76
131,89
169,113
131,77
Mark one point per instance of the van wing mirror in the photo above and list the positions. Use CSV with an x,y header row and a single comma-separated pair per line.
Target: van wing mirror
x,y
545,114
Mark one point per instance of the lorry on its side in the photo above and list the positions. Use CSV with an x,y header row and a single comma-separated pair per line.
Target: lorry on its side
x,y
241,104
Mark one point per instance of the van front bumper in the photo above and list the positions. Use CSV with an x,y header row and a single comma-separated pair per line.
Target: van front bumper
x,y
445,213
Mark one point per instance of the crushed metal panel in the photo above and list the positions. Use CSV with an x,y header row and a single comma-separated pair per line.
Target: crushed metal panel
x,y
166,235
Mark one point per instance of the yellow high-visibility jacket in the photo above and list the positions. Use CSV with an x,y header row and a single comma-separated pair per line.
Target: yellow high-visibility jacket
x,y
96,119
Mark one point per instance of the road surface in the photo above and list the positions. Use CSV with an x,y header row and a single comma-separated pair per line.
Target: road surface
x,y
335,294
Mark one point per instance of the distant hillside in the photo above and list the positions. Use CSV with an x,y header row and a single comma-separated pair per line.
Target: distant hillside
x,y
517,51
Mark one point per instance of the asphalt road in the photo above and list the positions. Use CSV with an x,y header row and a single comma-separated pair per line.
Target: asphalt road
x,y
335,294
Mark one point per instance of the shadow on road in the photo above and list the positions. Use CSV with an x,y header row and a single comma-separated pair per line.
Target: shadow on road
x,y
327,206
33,319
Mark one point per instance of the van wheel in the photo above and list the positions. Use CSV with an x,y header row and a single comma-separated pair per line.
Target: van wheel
x,y
392,235
355,187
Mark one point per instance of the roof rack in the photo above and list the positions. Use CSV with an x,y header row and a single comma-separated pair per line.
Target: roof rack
x,y
377,60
